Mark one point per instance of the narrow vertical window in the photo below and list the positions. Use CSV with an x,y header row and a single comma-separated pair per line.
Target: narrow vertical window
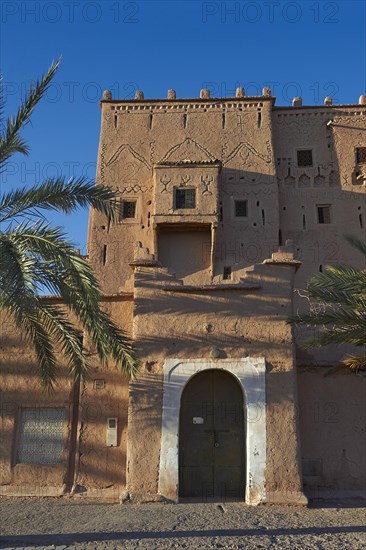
x,y
361,155
259,119
227,272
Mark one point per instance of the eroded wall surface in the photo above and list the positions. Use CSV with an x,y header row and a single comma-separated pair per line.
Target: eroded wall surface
x,y
331,178
64,447
182,321
332,411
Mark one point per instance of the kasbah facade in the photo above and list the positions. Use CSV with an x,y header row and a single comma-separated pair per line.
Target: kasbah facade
x,y
228,206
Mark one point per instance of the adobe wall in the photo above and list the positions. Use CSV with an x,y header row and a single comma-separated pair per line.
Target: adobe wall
x,y
139,142
174,320
20,387
101,470
332,412
87,466
331,133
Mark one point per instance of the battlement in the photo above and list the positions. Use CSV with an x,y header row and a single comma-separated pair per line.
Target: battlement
x,y
213,102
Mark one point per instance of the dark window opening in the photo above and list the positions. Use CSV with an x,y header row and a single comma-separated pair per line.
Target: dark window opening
x,y
263,218
305,157
360,220
280,237
227,273
241,209
128,209
303,221
320,268
323,214
184,198
104,254
361,155
259,119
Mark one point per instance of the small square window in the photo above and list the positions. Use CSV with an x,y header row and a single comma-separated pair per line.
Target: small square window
x,y
241,209
324,213
361,155
128,210
305,157
184,198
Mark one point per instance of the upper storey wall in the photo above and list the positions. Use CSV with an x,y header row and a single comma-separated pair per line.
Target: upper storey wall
x,y
318,155
221,147
321,170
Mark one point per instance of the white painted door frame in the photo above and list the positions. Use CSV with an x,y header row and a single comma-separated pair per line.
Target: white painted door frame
x,y
250,373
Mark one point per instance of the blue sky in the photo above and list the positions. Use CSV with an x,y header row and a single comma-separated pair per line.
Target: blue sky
x,y
307,48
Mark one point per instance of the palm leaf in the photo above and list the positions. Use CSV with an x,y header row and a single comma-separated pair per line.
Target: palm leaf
x,y
10,141
61,195
56,262
338,306
35,256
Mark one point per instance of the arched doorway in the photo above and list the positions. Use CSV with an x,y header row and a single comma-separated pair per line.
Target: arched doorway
x,y
211,437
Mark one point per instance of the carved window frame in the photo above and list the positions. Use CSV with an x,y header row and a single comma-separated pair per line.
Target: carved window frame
x,y
134,220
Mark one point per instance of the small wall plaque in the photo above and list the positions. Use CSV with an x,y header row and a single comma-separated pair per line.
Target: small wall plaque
x,y
198,420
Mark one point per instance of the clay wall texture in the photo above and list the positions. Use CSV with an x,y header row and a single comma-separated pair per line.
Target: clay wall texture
x,y
228,206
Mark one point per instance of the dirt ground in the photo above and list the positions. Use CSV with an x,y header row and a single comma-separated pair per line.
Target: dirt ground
x,y
68,523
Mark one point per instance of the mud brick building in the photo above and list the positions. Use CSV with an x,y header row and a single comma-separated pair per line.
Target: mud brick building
x,y
228,206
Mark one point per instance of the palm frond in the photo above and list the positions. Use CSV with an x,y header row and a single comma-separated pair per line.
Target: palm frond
x,y
355,362
56,261
356,243
23,304
34,256
338,307
10,142
339,284
61,195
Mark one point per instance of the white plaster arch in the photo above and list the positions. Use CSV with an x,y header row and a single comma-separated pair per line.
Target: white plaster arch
x,y
250,373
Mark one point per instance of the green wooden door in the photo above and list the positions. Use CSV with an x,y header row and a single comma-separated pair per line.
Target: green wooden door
x,y
211,437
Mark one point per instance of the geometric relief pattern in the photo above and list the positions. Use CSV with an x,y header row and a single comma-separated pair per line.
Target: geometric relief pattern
x,y
243,150
134,189
41,436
